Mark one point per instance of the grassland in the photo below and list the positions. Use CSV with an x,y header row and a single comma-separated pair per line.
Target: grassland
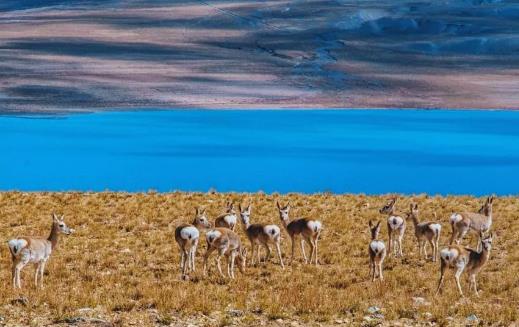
x,y
121,265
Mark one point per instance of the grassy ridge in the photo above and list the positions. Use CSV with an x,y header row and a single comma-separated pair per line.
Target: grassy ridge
x,y
122,264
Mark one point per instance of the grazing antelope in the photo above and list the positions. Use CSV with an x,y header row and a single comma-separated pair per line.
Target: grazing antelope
x,y
481,221
377,252
465,259
228,219
309,230
187,237
228,244
260,234
396,226
425,232
36,250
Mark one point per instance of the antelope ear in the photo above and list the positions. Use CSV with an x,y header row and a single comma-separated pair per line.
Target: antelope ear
x,y
202,211
411,206
196,211
54,217
249,207
277,204
370,224
378,224
239,207
416,206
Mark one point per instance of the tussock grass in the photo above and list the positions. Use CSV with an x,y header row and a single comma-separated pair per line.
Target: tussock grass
x,y
121,265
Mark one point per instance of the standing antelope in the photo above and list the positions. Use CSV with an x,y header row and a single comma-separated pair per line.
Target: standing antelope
x,y
228,219
481,221
377,252
425,232
228,244
260,234
465,259
309,230
187,237
396,226
36,250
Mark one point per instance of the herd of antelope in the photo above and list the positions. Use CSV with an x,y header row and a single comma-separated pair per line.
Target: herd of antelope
x,y
223,239
453,256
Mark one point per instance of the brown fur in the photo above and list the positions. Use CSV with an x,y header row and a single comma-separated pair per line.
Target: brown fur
x,y
395,235
188,247
376,259
228,245
480,221
424,232
258,236
37,250
299,228
220,220
474,262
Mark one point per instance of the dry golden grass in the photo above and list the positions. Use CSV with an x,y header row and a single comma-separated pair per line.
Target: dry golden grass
x,y
123,264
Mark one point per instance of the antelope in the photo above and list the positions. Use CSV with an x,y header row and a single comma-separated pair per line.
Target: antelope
x,y
260,234
228,244
36,250
309,230
425,232
187,237
465,259
396,226
461,223
377,252
228,219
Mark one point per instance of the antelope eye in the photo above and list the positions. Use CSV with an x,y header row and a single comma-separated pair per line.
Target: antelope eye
x,y
61,225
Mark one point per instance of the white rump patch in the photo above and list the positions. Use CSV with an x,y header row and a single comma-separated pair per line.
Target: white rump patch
x,y
314,225
16,245
436,228
189,233
455,218
272,230
449,255
377,246
230,220
213,235
395,222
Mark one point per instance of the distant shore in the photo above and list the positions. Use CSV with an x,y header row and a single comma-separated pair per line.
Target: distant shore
x,y
91,110
256,54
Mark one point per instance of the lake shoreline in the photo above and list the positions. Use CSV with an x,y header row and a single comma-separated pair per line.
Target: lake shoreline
x,y
91,110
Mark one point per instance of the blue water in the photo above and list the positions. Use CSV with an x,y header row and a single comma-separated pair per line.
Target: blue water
x,y
368,151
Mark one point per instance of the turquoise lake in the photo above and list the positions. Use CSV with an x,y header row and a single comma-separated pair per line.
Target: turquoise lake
x,y
347,151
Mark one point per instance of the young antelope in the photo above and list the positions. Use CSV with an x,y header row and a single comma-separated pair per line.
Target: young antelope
x,y
396,226
463,222
36,250
228,219
228,244
260,234
465,259
187,237
309,230
377,252
425,232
